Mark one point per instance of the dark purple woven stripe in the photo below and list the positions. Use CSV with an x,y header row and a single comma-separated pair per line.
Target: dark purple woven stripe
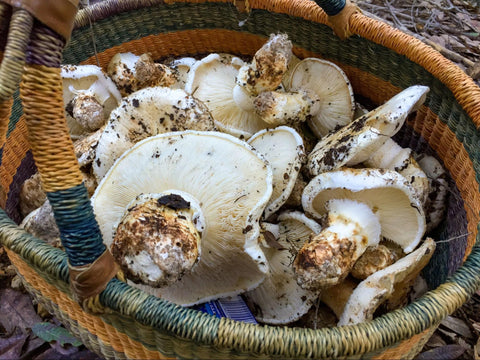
x,y
46,47
26,169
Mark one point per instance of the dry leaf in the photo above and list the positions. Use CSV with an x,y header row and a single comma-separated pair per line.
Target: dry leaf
x,y
16,312
447,352
458,326
11,348
476,350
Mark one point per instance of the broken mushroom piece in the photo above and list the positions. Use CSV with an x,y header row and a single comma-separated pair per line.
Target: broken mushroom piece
x,y
328,257
357,141
374,258
394,157
132,72
283,148
279,299
386,192
269,64
41,224
89,97
329,89
436,201
145,113
157,239
212,81
231,183
381,285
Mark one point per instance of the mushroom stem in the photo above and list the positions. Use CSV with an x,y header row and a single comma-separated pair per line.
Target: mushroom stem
x,y
280,108
268,66
157,241
87,111
329,256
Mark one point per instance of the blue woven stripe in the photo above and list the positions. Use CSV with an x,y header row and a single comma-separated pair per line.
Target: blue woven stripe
x,y
79,229
331,7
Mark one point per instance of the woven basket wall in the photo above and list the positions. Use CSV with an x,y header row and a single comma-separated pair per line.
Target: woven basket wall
x,y
379,62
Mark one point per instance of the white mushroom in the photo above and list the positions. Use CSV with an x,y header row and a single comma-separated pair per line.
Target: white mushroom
x,y
212,80
283,148
230,182
394,157
386,192
357,141
41,224
381,285
181,68
145,113
32,195
132,72
279,299
330,90
328,257
89,96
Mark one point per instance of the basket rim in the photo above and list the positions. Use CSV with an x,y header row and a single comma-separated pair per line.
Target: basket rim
x,y
462,86
447,297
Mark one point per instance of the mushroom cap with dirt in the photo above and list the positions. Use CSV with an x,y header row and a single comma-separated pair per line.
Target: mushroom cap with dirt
x,y
355,142
89,96
283,148
147,112
131,72
328,85
389,195
279,299
231,182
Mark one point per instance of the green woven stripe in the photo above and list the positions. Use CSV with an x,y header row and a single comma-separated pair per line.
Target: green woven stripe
x,y
79,230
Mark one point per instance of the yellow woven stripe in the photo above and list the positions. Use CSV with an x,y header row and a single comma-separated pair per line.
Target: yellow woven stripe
x,y
52,148
5,111
14,152
94,324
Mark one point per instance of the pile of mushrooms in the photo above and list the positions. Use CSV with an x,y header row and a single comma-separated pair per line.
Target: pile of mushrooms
x,y
219,176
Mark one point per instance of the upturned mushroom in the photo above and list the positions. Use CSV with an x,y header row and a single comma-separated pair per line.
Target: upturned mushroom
x,y
212,81
327,258
394,157
132,72
355,142
231,183
89,96
279,299
145,113
181,68
384,284
387,193
283,148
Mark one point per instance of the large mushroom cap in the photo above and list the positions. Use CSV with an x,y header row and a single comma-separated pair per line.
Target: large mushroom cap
x,y
332,90
283,148
147,112
279,299
386,192
231,182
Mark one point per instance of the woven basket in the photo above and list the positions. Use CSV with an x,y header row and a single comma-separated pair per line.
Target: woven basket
x,y
379,61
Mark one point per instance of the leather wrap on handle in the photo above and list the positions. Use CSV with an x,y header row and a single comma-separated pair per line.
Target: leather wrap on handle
x,y
339,13
56,14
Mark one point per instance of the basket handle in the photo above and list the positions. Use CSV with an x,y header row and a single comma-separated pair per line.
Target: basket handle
x,y
91,264
14,35
339,13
